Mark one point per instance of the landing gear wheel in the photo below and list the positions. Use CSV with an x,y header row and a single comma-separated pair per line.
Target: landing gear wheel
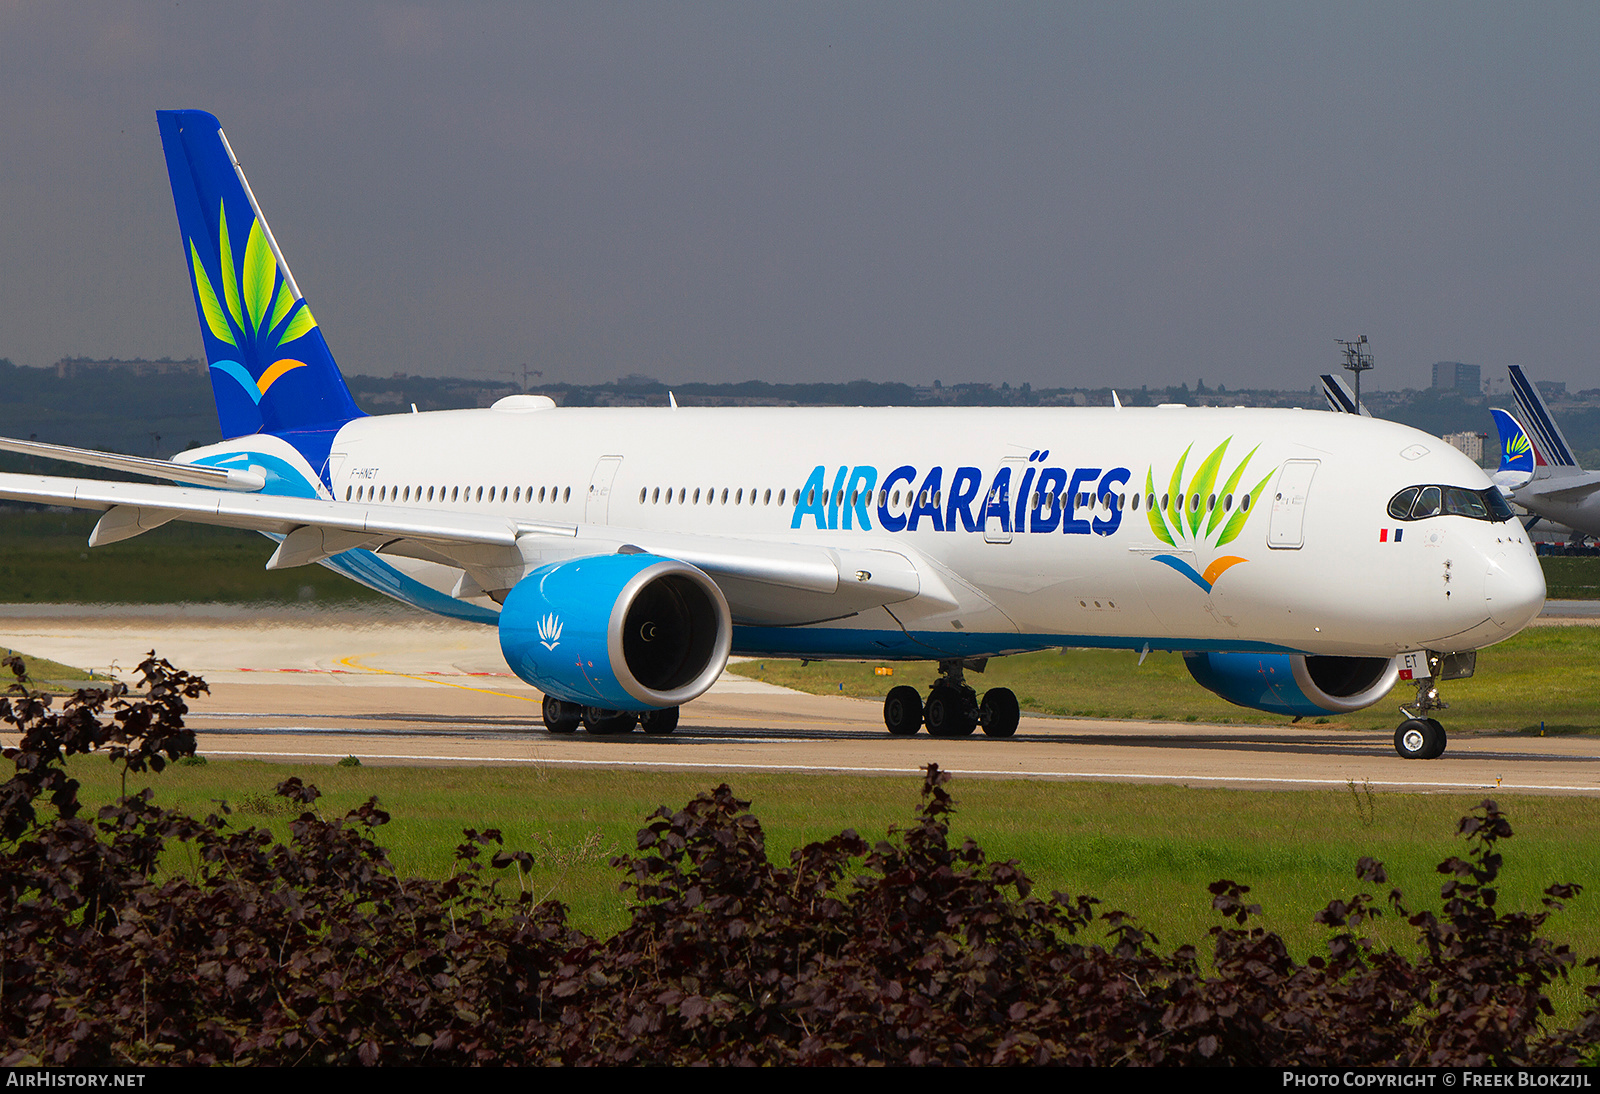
x,y
1436,750
902,711
607,722
999,713
659,721
560,716
1420,739
947,715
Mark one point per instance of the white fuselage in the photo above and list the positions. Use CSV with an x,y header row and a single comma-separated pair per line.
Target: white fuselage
x,y
1311,565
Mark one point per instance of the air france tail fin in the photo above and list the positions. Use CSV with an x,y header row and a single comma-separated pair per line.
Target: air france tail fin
x,y
1516,452
1550,447
271,370
1339,398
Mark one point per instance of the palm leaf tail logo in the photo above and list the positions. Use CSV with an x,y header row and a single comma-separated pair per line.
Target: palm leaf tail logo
x,y
210,307
257,304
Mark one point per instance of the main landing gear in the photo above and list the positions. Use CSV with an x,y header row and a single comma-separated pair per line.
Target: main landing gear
x,y
952,708
1419,736
564,717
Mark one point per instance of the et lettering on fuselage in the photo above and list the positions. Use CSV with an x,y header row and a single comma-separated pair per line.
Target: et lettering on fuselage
x,y
847,501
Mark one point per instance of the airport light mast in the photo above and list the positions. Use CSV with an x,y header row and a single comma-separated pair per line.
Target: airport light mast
x,y
1357,359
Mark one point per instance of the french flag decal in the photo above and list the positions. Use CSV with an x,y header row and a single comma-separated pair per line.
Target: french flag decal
x,y
1385,537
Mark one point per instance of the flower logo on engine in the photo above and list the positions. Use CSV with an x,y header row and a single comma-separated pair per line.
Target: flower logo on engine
x,y
550,631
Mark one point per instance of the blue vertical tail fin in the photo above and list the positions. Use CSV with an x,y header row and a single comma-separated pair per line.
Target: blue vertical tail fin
x,y
1516,452
271,370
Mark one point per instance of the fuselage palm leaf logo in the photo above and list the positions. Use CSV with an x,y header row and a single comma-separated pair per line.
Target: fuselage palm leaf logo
x,y
1198,517
550,631
257,313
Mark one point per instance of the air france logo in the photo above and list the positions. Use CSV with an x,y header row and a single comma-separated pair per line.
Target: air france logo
x,y
1023,496
1200,519
550,631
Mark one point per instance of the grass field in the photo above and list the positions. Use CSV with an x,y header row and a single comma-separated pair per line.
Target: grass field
x,y
1545,674
46,674
45,559
1571,578
1150,850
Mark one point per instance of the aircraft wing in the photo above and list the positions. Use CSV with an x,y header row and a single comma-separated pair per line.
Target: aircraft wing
x,y
1563,489
766,581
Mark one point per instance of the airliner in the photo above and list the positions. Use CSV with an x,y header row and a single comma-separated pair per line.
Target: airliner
x,y
1302,562
1537,467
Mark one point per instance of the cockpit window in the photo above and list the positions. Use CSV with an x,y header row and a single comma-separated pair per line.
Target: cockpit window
x,y
1421,502
1400,504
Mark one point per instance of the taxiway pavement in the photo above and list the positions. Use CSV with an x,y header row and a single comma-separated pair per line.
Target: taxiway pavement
x,y
400,688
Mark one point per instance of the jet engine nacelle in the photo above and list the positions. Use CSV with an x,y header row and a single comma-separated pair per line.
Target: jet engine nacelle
x,y
1292,683
621,632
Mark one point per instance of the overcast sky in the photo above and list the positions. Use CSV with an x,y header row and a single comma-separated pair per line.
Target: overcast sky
x,y
1064,194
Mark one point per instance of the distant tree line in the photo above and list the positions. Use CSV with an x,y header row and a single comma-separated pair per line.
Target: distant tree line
x,y
122,410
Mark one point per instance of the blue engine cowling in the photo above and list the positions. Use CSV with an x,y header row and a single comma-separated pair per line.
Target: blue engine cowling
x,y
1292,683
620,632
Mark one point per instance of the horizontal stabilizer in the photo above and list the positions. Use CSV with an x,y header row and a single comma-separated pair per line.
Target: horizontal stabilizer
x,y
220,478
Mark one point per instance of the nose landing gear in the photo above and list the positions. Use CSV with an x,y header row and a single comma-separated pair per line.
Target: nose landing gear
x,y
1420,739
953,708
1419,736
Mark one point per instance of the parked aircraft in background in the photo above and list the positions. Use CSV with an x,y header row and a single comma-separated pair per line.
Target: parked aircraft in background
x,y
1554,488
1339,396
1302,562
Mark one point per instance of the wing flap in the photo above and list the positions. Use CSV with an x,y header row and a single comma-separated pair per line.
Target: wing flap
x,y
126,521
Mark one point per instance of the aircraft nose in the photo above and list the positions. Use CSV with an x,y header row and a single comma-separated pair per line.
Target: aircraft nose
x,y
1514,588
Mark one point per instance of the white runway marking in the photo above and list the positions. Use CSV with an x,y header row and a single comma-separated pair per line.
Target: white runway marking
x,y
1101,776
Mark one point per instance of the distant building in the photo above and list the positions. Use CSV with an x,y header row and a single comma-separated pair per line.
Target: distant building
x,y
1552,389
69,367
1469,445
1455,376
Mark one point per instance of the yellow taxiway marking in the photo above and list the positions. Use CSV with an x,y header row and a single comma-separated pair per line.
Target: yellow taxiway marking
x,y
355,663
